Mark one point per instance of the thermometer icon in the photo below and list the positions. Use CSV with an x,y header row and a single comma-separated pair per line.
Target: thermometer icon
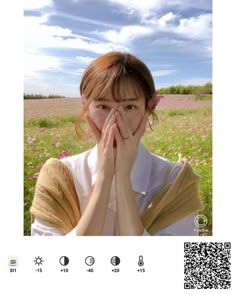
x,y
140,261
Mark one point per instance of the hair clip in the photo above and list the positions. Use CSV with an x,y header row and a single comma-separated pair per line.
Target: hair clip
x,y
152,103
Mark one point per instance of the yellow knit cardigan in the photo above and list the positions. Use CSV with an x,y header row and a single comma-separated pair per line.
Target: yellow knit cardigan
x,y
56,202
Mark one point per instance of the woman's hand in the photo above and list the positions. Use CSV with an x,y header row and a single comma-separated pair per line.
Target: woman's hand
x,y
93,219
127,143
105,139
128,218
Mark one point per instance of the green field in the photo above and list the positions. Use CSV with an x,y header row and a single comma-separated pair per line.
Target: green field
x,y
185,131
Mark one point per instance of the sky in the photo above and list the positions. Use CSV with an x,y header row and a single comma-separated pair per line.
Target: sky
x,y
61,38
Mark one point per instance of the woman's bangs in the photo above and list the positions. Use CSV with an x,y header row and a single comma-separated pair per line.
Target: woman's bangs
x,y
127,86
118,84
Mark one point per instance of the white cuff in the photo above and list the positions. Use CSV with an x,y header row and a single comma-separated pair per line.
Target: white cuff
x,y
72,233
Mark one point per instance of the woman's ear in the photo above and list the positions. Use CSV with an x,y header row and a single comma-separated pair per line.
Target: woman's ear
x,y
85,105
83,100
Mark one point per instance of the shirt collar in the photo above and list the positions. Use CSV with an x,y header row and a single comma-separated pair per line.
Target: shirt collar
x,y
141,171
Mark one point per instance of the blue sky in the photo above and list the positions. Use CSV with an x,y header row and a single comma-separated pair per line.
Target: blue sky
x,y
174,39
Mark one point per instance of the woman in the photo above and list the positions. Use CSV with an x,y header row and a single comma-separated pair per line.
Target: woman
x,y
118,187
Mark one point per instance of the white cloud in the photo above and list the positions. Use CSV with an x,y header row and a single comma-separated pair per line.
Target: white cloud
x,y
167,18
149,6
127,34
157,19
85,60
200,48
79,72
91,21
37,4
162,73
196,27
145,9
39,35
141,6
35,63
161,22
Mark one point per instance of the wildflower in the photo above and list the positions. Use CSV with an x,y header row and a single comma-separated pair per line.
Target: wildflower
x,y
64,154
39,166
193,160
30,139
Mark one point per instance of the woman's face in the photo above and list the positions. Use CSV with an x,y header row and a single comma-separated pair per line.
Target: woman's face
x,y
134,108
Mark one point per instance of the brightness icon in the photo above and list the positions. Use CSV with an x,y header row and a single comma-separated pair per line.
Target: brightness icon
x,y
38,260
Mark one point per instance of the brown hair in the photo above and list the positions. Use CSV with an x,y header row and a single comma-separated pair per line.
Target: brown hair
x,y
108,72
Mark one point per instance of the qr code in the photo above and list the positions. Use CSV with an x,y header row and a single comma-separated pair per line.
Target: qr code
x,y
207,265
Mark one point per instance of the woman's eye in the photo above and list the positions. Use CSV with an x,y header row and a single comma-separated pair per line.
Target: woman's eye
x,y
131,107
103,107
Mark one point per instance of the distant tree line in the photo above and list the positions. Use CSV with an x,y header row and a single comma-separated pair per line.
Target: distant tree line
x,y
198,90
190,89
40,96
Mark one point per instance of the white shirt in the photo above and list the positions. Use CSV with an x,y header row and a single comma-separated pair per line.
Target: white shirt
x,y
149,175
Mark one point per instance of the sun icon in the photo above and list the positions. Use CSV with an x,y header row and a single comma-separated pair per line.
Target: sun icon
x,y
38,260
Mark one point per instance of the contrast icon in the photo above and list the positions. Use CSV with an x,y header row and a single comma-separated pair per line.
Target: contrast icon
x,y
64,260
38,261
115,260
89,260
140,261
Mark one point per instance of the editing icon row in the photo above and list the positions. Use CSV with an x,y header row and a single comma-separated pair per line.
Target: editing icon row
x,y
64,260
115,260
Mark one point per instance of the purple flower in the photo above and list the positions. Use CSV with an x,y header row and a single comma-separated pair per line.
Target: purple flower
x,y
64,154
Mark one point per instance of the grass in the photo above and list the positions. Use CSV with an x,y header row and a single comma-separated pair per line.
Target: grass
x,y
203,97
185,131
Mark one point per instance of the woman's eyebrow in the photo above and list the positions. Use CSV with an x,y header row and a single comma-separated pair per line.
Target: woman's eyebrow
x,y
131,99
102,99
109,100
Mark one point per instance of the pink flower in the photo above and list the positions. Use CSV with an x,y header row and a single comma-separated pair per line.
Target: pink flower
x,y
194,129
64,154
193,160
57,144
39,166
152,103
30,139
